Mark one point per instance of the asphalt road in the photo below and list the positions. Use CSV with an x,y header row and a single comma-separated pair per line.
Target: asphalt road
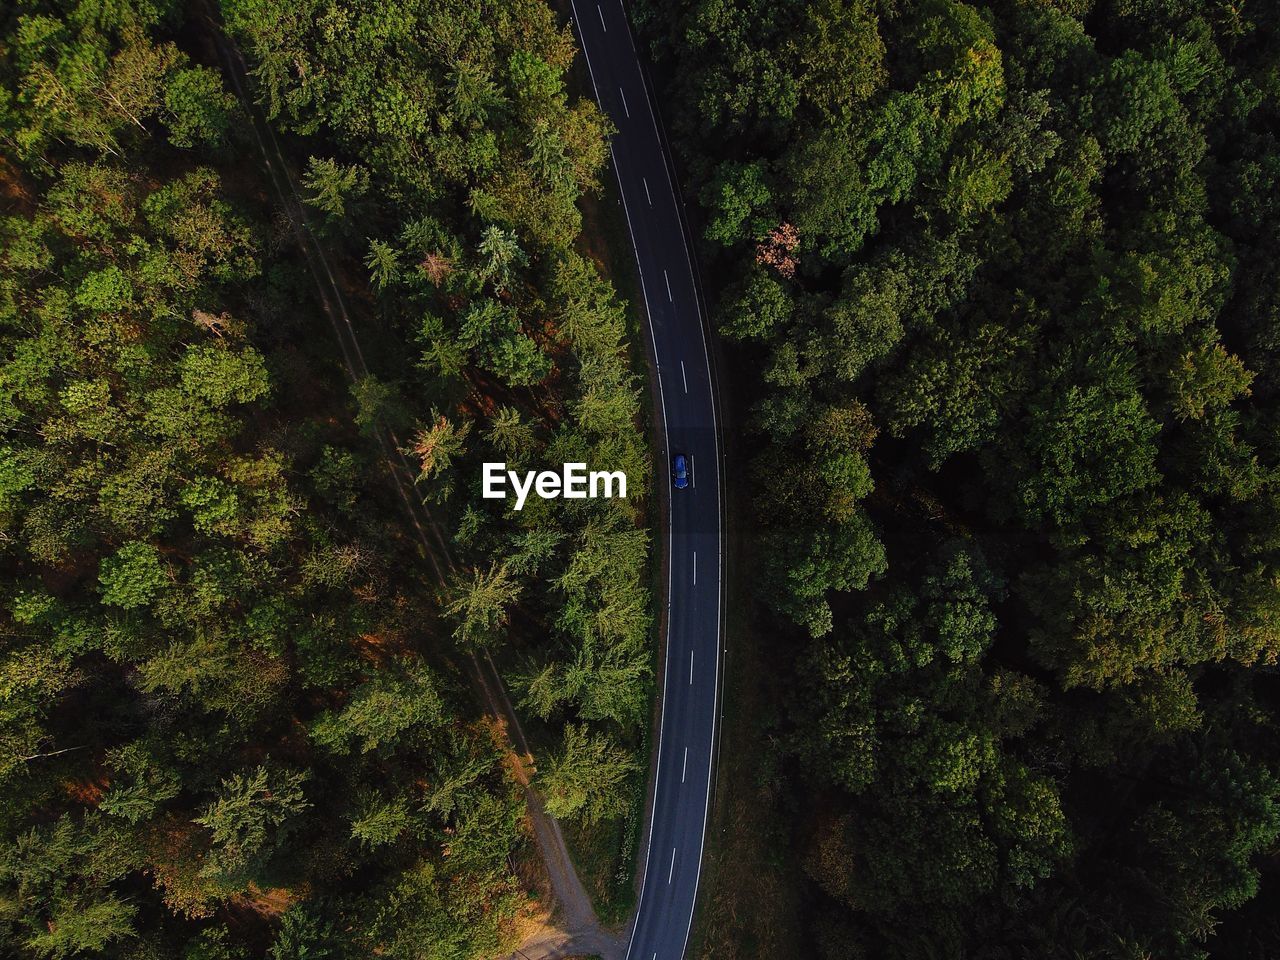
x,y
686,409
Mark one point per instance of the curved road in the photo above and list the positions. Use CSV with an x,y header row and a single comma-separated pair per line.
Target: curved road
x,y
687,738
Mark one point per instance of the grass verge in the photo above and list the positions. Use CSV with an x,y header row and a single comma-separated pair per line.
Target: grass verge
x,y
749,898
605,853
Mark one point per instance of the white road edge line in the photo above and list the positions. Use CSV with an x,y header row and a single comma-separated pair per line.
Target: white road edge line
x,y
668,282
625,109
715,433
683,378
662,398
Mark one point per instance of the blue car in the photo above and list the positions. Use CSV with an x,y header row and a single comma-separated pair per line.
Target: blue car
x,y
680,471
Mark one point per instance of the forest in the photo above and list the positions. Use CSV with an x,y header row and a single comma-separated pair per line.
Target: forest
x,y
996,281
236,714
995,285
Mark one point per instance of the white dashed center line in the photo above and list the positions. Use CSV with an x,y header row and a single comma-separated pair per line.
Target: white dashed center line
x,y
672,869
695,568
625,109
647,195
684,767
683,377
690,668
668,282
602,24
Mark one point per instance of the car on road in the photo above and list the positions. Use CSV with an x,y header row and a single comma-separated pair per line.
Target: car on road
x,y
680,471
